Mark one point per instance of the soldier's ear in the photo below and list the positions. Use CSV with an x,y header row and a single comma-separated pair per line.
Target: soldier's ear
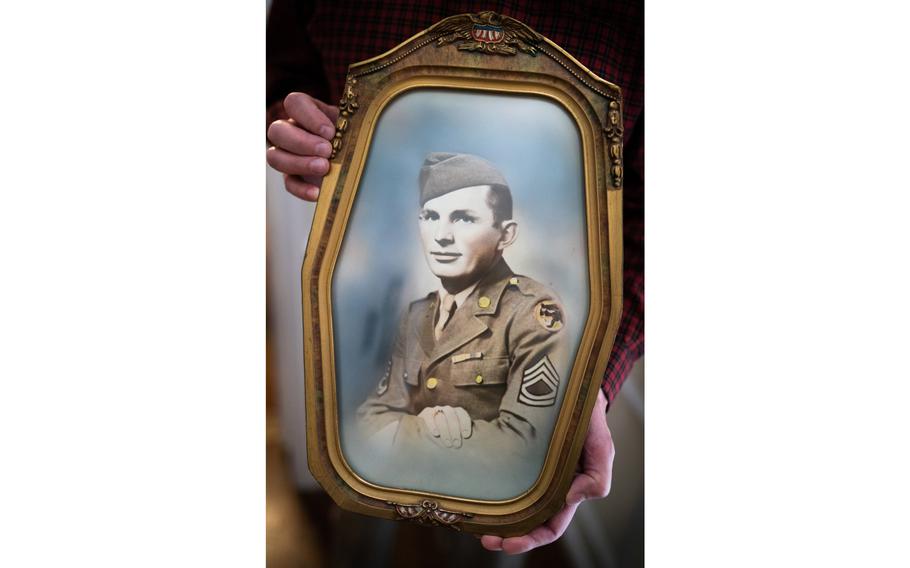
x,y
509,233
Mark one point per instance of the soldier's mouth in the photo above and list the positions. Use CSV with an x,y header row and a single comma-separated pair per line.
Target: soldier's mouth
x,y
445,257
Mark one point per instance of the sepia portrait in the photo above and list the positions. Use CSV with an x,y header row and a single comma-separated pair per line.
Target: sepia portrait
x,y
455,290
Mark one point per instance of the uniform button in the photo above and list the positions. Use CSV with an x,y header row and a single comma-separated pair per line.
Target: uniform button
x,y
513,281
431,383
478,379
483,302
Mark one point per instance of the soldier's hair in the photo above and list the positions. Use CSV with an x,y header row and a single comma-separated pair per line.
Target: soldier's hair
x,y
499,198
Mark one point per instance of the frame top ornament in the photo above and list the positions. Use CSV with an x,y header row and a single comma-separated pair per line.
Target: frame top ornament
x,y
487,32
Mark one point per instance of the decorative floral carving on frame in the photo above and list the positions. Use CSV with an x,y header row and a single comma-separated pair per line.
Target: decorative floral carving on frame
x,y
614,130
428,513
346,107
487,32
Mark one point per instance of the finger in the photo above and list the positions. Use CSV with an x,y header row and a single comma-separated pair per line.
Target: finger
x,y
453,423
288,163
587,485
301,187
296,140
544,534
596,477
491,542
464,420
303,109
443,425
428,417
592,483
327,109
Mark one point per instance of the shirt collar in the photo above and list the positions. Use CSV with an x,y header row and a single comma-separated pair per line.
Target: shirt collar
x,y
459,297
491,285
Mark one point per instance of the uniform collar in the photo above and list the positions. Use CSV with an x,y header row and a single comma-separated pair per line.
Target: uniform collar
x,y
464,325
491,286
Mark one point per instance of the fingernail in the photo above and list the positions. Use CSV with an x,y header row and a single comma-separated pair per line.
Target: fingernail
x,y
326,131
574,500
313,193
321,164
496,545
324,149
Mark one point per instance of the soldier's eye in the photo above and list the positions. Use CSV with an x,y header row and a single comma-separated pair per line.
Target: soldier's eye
x,y
426,215
459,216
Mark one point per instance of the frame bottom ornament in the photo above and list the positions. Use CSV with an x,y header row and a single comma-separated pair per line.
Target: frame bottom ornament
x,y
428,513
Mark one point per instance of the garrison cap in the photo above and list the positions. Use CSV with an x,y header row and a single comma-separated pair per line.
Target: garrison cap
x,y
445,172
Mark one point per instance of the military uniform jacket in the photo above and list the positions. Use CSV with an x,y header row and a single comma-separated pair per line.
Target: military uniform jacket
x,y
502,358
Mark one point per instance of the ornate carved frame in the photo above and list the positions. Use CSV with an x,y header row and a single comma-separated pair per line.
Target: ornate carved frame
x,y
491,53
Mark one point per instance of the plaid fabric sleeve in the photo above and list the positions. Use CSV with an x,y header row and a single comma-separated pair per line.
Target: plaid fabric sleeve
x,y
629,344
292,61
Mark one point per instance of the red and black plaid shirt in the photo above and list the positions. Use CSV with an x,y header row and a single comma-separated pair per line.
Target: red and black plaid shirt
x,y
310,45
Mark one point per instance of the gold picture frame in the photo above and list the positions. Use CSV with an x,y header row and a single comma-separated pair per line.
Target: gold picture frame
x,y
495,55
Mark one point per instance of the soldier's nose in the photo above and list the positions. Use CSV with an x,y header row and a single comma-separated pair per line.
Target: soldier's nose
x,y
443,235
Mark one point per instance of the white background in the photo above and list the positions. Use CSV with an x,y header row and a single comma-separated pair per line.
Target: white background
x,y
132,227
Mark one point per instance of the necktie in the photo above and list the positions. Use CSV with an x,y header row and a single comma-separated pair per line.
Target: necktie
x,y
445,314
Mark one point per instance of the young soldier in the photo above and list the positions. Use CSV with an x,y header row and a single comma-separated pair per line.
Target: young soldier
x,y
477,364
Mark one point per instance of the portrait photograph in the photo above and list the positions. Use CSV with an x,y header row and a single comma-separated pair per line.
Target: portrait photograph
x,y
460,292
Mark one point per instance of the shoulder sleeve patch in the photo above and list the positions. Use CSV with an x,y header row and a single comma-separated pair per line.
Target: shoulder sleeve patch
x,y
539,384
549,315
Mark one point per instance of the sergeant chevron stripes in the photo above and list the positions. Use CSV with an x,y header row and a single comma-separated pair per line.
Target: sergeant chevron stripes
x,y
543,374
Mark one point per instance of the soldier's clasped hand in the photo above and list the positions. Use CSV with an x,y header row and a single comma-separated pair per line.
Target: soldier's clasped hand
x,y
450,425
